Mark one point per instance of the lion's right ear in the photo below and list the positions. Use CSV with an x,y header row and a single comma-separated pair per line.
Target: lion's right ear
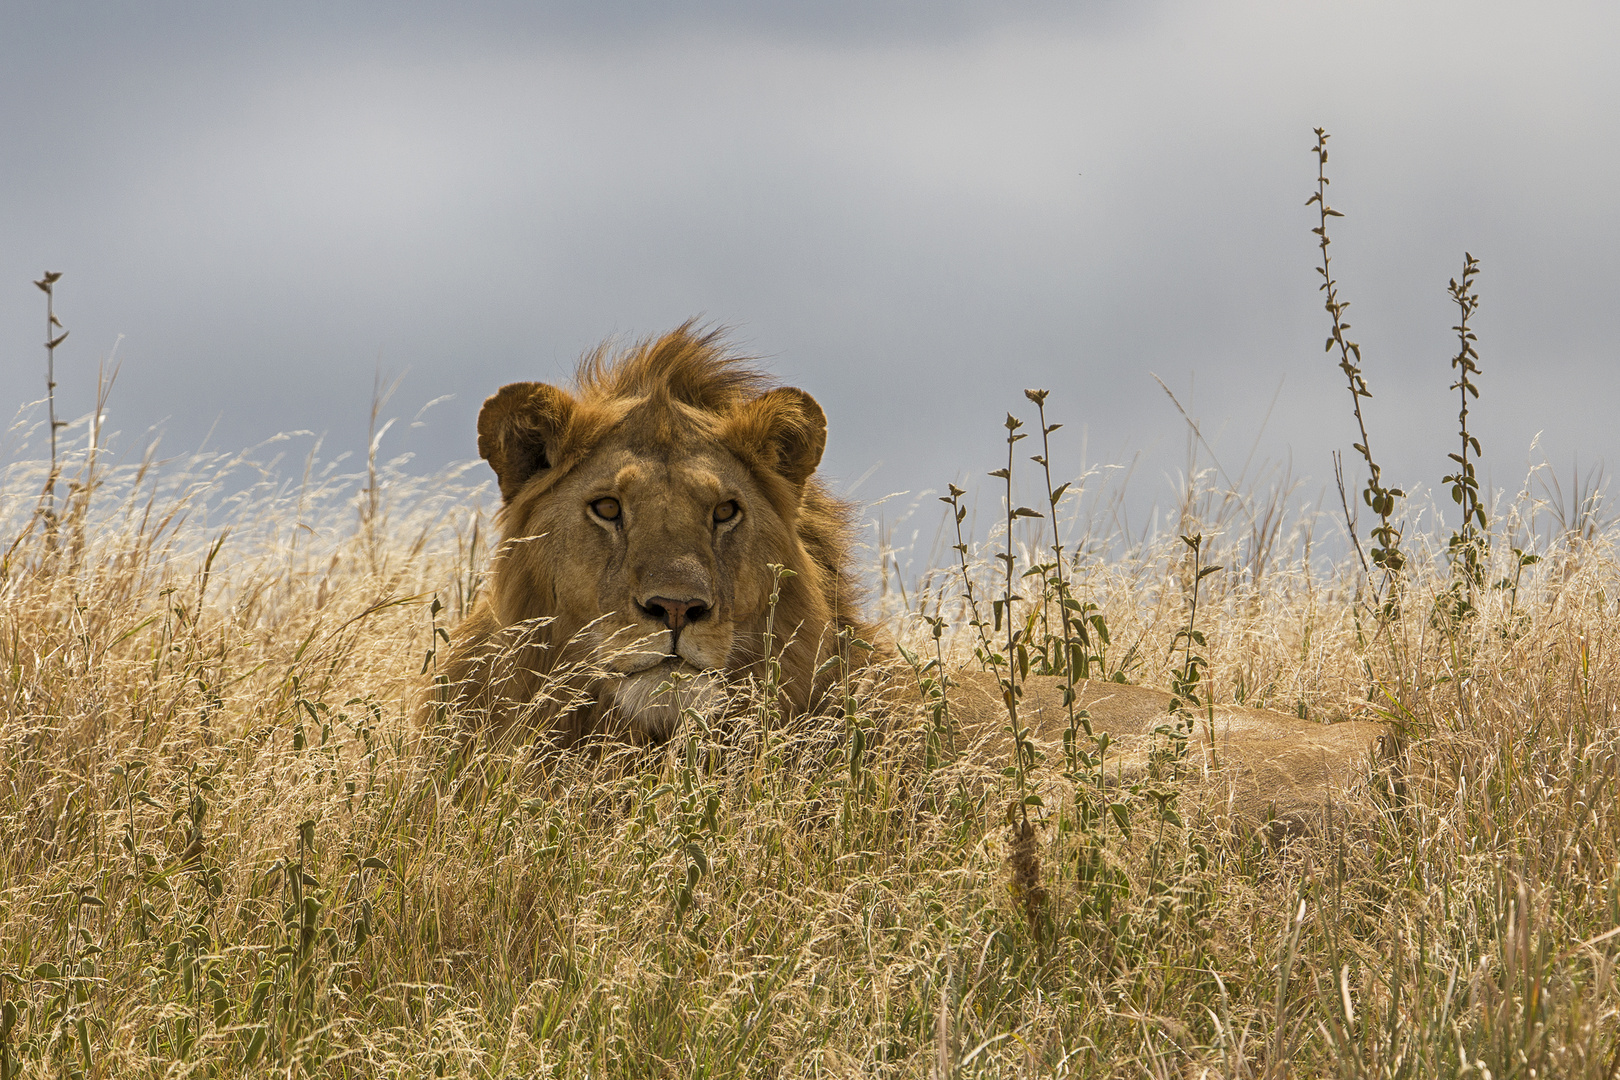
x,y
520,432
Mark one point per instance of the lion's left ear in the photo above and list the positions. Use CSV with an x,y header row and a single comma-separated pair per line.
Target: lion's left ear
x,y
520,432
785,430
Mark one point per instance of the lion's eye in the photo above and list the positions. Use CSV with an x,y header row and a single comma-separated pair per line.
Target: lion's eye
x,y
726,511
606,509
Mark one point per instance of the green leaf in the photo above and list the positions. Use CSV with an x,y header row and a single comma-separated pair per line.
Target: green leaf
x,y
256,1044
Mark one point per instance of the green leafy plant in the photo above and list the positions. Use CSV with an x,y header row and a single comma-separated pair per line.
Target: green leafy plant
x,y
1070,653
1386,551
1015,663
1186,681
1469,544
47,285
1010,668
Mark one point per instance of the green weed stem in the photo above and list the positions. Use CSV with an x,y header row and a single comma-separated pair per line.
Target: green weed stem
x,y
1386,552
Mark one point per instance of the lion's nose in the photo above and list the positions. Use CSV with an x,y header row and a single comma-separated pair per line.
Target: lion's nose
x,y
674,613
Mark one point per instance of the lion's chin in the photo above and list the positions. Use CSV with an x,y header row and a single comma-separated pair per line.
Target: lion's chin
x,y
650,702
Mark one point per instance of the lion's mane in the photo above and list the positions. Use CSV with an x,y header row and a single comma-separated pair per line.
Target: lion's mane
x,y
684,407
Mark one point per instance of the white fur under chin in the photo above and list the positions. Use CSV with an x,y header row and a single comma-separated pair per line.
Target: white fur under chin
x,y
655,715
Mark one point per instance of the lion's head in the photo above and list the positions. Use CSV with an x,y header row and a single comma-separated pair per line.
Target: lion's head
x,y
643,510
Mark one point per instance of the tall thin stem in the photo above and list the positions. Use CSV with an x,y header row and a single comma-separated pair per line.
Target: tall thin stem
x,y
1386,552
47,284
1080,637
1468,542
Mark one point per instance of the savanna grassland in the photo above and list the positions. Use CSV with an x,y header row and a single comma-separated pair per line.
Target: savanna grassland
x,y
233,843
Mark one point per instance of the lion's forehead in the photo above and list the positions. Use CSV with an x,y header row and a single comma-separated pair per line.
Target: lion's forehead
x,y
700,475
675,486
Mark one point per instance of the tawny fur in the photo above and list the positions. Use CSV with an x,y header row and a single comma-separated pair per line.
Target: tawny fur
x,y
672,429
670,478
1254,768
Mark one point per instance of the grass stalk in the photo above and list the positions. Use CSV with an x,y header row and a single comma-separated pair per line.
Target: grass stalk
x,y
47,285
1468,546
1386,536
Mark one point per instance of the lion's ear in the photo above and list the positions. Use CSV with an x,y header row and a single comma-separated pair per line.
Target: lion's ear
x,y
520,431
787,429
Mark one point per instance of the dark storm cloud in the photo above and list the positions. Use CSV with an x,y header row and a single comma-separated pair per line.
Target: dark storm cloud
x,y
912,210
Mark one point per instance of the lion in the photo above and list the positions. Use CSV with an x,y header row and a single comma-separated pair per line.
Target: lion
x,y
662,532
664,536
1255,768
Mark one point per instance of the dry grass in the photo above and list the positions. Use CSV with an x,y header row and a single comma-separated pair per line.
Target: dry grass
x,y
231,850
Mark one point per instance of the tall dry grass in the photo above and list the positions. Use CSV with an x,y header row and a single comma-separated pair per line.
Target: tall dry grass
x,y
231,849
233,844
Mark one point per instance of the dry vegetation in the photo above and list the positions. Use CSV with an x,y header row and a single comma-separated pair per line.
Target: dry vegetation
x,y
230,848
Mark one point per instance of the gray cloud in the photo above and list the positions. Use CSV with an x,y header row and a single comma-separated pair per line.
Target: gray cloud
x,y
912,210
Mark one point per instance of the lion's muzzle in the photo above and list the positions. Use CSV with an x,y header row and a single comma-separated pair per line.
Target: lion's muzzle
x,y
674,613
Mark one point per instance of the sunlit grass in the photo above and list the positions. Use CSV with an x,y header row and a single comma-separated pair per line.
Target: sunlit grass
x,y
231,848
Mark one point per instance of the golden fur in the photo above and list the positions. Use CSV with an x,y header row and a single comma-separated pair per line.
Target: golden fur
x,y
706,472
1254,767
642,510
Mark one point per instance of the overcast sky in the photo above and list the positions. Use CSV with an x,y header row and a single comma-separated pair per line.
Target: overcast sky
x,y
911,209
